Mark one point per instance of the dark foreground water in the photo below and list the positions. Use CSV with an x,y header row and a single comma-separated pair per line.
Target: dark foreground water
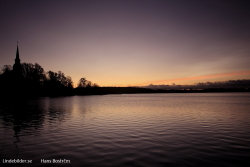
x,y
128,130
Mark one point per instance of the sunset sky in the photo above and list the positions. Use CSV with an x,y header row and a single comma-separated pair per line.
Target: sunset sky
x,y
130,42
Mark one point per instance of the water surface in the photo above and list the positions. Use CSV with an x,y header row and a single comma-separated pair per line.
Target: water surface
x,y
197,129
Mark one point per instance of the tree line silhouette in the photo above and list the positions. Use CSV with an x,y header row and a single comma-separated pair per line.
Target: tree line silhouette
x,y
34,81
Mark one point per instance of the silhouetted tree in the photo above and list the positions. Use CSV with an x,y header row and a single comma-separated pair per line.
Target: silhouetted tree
x,y
33,73
6,76
85,87
52,76
95,85
53,80
65,81
82,83
58,84
59,79
6,68
69,82
89,84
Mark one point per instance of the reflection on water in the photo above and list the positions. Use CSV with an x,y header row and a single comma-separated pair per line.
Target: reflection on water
x,y
129,130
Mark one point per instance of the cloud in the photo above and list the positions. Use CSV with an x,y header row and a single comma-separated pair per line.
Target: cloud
x,y
245,83
216,75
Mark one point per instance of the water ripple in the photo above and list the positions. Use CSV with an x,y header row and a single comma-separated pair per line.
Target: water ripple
x,y
131,130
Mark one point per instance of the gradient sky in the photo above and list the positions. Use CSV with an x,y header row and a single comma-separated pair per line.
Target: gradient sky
x,y
130,42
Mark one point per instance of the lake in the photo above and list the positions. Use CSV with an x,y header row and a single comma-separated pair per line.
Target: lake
x,y
147,130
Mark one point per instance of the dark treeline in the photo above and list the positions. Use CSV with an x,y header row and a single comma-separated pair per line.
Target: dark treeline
x,y
113,90
33,81
226,85
85,87
134,90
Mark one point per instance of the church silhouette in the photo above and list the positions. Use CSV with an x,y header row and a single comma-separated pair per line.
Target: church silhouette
x,y
17,67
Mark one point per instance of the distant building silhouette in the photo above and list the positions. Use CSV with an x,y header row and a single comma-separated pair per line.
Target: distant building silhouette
x,y
17,67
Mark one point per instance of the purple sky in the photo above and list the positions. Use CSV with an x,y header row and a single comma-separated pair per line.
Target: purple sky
x,y
137,42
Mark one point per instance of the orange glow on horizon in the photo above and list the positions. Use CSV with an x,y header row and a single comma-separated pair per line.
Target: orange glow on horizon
x,y
122,82
235,73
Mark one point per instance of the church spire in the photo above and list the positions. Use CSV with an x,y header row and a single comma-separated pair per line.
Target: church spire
x,y
17,67
17,51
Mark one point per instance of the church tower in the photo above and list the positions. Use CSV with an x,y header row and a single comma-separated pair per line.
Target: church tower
x,y
17,67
